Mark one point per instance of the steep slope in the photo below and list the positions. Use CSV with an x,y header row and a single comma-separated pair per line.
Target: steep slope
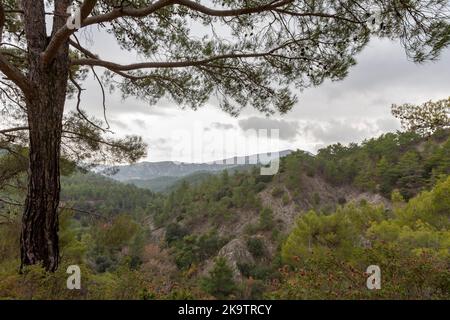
x,y
235,209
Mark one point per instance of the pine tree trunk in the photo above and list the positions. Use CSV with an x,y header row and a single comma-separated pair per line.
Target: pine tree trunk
x,y
39,237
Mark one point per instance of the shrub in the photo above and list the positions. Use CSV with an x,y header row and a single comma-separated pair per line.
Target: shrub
x,y
251,229
266,219
256,247
260,186
220,281
266,178
175,232
195,249
255,271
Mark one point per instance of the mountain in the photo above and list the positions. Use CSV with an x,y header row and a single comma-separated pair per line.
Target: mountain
x,y
161,176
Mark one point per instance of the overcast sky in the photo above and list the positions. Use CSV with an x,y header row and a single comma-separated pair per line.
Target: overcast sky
x,y
346,111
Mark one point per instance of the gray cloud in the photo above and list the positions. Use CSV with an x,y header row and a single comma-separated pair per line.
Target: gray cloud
x,y
388,124
337,131
288,129
382,76
344,131
159,148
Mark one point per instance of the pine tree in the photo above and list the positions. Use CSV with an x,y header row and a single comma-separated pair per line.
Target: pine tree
x,y
220,281
385,175
411,174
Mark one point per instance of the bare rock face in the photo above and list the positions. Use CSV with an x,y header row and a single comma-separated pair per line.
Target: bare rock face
x,y
235,252
157,235
372,198
328,196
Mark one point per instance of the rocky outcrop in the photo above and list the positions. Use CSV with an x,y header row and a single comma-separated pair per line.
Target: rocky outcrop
x,y
315,193
235,252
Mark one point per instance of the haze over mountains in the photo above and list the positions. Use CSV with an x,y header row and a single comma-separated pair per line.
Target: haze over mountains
x,y
159,176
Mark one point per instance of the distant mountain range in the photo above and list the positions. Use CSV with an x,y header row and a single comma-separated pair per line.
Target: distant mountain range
x,y
160,176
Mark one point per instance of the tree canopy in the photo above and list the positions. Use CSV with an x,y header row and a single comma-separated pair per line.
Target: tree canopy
x,y
424,119
241,52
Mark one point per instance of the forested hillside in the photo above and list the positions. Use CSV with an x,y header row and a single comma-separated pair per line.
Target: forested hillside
x,y
90,192
308,232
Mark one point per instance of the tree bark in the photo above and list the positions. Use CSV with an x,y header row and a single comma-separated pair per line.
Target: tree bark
x,y
45,108
39,239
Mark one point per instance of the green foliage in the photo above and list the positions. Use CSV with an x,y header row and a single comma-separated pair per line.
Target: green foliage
x,y
403,161
260,186
80,246
94,193
114,242
411,174
116,234
220,281
175,232
441,199
256,247
256,271
328,253
195,249
424,119
404,276
292,166
318,234
251,229
73,248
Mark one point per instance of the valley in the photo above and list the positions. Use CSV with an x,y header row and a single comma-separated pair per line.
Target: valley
x,y
307,232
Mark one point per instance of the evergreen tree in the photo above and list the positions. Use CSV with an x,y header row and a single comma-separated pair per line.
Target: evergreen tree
x,y
411,174
385,176
220,281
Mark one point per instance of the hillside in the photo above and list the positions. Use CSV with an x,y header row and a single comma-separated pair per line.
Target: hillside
x,y
166,184
322,215
93,192
234,211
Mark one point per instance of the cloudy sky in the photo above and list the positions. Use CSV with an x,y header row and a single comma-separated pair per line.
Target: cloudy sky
x,y
346,111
